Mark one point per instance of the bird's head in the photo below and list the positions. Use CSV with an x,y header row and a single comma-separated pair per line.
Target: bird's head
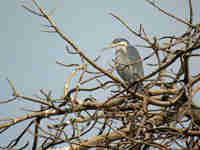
x,y
119,43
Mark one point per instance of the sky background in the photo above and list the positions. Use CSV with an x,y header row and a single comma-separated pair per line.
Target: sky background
x,y
28,57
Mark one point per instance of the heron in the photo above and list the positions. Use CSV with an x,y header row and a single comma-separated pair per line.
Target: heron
x,y
128,62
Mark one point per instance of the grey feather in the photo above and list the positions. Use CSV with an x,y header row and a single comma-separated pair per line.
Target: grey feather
x,y
128,64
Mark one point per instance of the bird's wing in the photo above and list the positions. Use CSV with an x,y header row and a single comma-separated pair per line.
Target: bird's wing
x,y
133,53
135,59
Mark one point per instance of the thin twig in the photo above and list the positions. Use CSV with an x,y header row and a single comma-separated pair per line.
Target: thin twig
x,y
169,14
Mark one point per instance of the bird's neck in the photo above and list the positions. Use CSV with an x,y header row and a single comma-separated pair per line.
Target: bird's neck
x,y
121,56
121,50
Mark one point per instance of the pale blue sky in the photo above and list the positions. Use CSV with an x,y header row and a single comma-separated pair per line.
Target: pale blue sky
x,y
28,56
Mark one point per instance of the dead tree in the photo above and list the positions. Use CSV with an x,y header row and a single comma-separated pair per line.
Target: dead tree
x,y
164,117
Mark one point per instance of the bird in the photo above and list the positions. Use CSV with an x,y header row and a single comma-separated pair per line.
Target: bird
x,y
128,62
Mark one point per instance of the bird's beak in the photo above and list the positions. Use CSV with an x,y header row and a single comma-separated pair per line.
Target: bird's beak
x,y
112,45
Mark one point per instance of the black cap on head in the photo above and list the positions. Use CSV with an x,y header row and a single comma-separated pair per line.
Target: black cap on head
x,y
120,40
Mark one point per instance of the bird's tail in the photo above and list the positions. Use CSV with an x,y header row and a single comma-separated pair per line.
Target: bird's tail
x,y
138,87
